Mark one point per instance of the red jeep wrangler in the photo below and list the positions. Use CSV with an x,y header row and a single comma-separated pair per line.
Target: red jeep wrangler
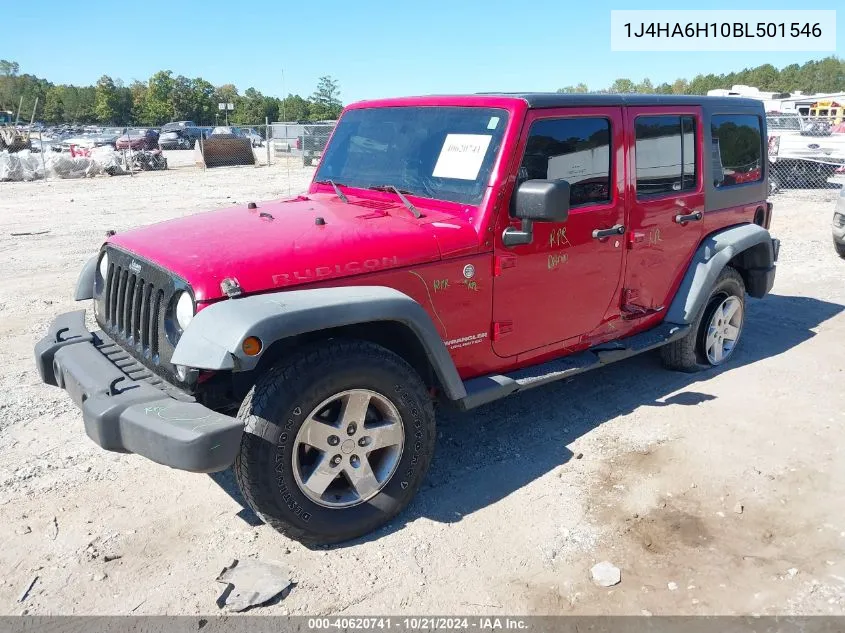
x,y
461,248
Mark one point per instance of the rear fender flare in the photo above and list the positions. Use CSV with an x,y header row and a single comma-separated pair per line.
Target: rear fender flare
x,y
213,340
713,254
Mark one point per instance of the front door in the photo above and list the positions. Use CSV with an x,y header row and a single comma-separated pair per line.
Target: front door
x,y
665,176
561,284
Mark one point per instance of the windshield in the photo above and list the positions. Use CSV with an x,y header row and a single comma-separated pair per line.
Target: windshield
x,y
446,153
136,132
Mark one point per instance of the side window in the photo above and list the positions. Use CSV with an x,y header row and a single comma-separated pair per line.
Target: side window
x,y
665,154
737,149
576,150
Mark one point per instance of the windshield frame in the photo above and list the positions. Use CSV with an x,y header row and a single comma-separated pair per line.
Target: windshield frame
x,y
488,172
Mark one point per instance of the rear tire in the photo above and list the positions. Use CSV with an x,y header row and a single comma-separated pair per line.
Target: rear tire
x,y
305,403
840,249
713,338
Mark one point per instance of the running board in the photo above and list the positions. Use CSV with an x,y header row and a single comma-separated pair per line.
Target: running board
x,y
489,388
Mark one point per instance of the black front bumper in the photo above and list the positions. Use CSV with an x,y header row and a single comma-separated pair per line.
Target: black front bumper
x,y
132,416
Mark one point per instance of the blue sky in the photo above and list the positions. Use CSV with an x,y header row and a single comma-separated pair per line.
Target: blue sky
x,y
374,49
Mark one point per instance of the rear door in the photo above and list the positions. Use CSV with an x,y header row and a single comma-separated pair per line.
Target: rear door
x,y
665,185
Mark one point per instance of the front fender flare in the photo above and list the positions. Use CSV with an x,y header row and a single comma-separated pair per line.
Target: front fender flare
x,y
712,256
85,283
214,337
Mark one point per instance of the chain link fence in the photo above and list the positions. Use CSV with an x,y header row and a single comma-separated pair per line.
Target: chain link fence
x,y
64,152
805,153
304,141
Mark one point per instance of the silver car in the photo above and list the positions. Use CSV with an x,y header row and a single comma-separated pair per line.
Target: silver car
x,y
839,225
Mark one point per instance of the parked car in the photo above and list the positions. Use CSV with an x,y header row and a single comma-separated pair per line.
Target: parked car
x,y
252,134
179,135
459,248
138,138
839,225
312,142
222,130
802,152
101,138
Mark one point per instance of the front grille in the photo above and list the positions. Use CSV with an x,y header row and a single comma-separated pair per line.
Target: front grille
x,y
133,307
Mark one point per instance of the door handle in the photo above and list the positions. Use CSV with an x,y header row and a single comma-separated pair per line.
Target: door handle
x,y
689,217
616,229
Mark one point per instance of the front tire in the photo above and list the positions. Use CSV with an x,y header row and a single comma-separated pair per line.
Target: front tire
x,y
840,249
337,440
715,333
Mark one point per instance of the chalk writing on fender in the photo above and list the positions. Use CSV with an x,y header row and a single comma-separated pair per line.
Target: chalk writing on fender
x,y
466,341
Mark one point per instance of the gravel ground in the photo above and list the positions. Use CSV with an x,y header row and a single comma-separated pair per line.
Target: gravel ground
x,y
714,493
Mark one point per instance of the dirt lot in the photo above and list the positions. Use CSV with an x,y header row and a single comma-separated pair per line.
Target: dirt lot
x,y
713,493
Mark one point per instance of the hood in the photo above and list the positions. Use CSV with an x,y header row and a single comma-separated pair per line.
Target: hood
x,y
285,243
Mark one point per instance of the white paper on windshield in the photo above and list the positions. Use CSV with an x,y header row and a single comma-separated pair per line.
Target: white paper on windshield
x,y
461,156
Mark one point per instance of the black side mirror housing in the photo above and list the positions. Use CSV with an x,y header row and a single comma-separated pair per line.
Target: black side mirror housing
x,y
542,201
537,201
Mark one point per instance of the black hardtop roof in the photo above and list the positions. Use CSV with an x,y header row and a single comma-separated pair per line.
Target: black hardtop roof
x,y
563,100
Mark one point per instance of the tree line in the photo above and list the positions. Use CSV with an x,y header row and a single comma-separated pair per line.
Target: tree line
x,y
165,97
162,98
823,75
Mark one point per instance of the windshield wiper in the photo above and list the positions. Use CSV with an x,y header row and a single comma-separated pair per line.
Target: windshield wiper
x,y
335,187
401,193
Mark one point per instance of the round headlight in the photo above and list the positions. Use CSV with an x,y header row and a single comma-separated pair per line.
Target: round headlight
x,y
104,265
184,310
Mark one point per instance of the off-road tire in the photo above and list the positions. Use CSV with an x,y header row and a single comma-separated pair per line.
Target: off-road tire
x,y
688,354
840,249
279,403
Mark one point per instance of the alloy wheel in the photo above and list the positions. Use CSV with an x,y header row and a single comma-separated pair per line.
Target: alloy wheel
x,y
348,448
723,330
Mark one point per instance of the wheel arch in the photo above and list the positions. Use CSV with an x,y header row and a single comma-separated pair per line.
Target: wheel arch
x,y
748,247
286,320
748,262
392,335
85,282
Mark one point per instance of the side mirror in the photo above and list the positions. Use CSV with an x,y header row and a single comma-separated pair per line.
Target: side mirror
x,y
537,201
543,201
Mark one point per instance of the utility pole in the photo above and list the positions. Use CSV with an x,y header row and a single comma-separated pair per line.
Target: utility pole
x,y
284,97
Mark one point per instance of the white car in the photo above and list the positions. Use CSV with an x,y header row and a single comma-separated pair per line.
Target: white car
x,y
802,153
839,225
253,136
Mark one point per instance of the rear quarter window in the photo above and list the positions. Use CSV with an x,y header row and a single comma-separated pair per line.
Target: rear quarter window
x,y
737,149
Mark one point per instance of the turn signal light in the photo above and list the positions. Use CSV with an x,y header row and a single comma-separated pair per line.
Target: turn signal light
x,y
251,346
